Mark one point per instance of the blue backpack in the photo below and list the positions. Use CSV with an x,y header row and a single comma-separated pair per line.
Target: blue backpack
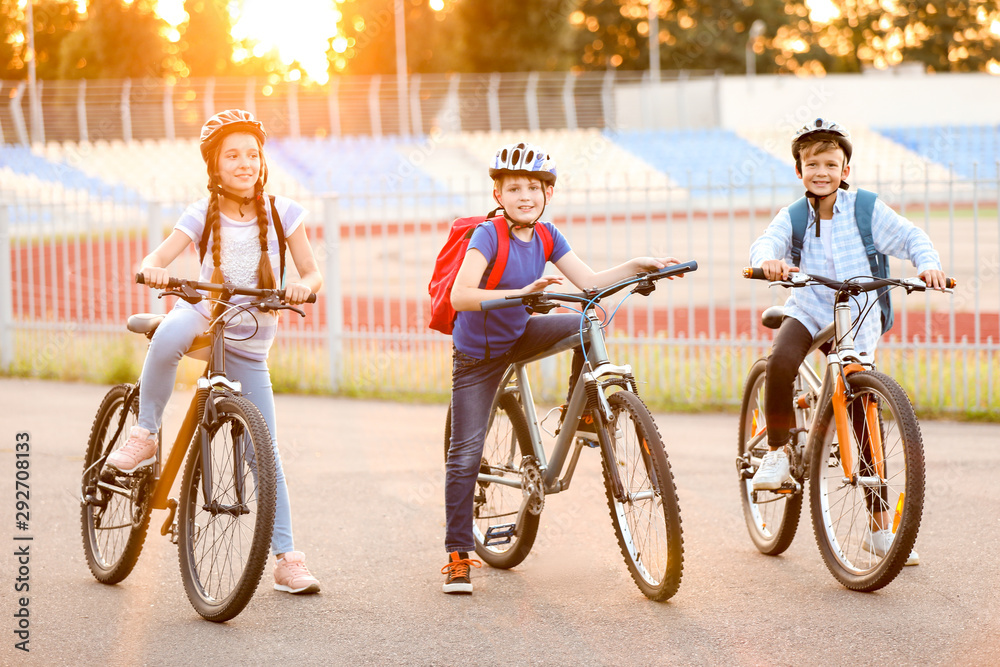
x,y
864,208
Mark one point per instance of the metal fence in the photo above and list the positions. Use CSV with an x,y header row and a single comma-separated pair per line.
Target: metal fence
x,y
66,266
155,108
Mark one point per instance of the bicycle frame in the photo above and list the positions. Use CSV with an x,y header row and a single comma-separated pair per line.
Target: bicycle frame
x,y
552,468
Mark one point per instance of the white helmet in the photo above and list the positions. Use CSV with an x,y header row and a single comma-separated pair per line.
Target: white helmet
x,y
821,125
524,159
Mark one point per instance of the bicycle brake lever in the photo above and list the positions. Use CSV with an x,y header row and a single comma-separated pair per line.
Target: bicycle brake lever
x,y
185,292
644,287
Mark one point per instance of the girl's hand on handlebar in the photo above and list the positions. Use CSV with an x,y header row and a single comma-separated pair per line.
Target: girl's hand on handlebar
x,y
155,277
934,278
296,293
540,284
777,269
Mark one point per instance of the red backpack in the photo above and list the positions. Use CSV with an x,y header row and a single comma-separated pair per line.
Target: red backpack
x,y
450,259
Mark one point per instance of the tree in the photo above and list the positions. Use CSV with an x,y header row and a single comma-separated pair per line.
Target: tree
x,y
54,20
942,35
692,34
117,41
461,37
206,45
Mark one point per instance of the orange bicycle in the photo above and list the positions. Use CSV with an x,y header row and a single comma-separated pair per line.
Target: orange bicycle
x,y
857,441
227,494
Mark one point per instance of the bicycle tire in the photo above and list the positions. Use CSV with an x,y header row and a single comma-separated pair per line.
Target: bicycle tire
x,y
648,528
774,518
841,512
222,556
507,444
114,530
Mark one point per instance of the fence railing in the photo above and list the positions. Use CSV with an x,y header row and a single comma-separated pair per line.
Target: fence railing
x,y
66,266
154,108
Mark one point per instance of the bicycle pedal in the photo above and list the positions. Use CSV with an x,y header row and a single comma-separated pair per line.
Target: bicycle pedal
x,y
501,533
169,526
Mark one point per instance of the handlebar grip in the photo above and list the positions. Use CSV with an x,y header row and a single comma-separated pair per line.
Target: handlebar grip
x,y
677,269
755,273
311,299
496,304
141,280
950,283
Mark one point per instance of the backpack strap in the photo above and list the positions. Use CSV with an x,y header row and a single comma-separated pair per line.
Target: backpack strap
x,y
864,210
278,229
546,237
503,249
799,213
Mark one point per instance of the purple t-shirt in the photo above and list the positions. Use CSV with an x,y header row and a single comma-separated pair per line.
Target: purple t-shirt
x,y
475,330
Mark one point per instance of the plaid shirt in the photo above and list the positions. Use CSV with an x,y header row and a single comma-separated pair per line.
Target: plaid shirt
x,y
839,253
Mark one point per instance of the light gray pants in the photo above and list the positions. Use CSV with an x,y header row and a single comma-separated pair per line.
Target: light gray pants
x,y
172,338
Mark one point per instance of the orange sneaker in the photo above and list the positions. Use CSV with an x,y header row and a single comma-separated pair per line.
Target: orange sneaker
x,y
138,451
456,573
292,576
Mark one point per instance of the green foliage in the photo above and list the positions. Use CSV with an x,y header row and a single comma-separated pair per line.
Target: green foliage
x,y
53,19
116,41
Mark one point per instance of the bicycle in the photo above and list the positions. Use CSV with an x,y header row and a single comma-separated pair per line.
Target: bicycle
x,y
856,440
227,494
516,474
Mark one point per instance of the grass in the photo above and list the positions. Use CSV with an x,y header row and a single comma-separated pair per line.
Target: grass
x,y
680,376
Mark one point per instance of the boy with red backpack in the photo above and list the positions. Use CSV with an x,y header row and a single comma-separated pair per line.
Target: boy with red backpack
x,y
486,342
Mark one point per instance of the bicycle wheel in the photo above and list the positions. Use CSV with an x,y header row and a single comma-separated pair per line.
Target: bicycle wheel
x,y
225,538
113,523
771,518
889,496
503,533
648,521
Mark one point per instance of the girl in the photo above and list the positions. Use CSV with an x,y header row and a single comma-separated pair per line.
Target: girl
x,y
524,177
241,248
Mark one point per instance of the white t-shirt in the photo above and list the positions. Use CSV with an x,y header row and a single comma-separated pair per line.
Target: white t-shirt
x,y
249,334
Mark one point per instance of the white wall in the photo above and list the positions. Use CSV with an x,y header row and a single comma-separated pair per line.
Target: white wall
x,y
882,98
786,102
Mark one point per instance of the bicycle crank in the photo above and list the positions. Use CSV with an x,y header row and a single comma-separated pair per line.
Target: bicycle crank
x,y
532,485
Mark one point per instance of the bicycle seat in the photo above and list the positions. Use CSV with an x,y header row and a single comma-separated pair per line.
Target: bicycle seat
x,y
146,323
772,317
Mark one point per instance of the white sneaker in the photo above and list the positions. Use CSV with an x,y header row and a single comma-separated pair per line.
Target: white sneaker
x,y
879,541
773,471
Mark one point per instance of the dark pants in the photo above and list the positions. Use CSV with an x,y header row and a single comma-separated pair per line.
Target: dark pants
x,y
474,383
791,344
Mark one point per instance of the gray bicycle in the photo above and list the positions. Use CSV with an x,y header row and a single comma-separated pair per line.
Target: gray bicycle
x,y
516,473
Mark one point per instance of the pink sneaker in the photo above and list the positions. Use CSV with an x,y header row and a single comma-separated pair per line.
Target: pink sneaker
x,y
292,576
138,451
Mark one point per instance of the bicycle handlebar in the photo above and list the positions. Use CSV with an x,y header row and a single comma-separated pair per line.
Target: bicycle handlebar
x,y
173,283
594,295
803,280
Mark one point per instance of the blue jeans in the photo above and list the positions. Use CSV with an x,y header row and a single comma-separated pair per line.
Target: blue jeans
x,y
172,338
474,383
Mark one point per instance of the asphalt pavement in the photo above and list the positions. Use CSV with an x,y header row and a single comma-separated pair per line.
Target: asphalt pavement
x,y
367,487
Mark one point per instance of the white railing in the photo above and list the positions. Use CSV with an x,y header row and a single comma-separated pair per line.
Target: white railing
x,y
67,260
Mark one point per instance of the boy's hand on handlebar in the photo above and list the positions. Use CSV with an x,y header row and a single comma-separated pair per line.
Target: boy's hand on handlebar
x,y
777,269
296,293
934,278
657,263
540,284
155,277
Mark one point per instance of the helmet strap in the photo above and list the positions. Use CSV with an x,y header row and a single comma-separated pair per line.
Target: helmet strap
x,y
242,201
